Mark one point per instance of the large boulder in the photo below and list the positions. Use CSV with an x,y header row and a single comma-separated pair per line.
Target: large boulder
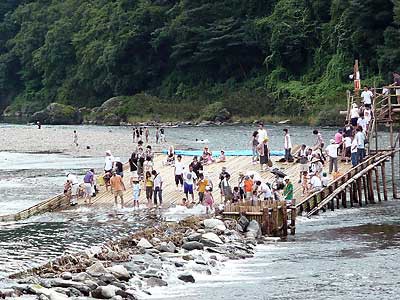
x,y
186,277
214,224
96,270
153,281
143,243
120,272
193,246
167,247
253,229
105,292
211,237
57,113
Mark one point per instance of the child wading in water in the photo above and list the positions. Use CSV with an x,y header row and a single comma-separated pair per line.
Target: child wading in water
x,y
135,191
208,199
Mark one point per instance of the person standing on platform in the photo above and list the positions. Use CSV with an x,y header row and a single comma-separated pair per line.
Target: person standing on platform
x,y
396,83
189,178
288,189
178,170
135,185
288,145
262,133
149,186
157,135
72,181
360,138
332,151
109,162
254,144
117,188
88,181
158,184
367,97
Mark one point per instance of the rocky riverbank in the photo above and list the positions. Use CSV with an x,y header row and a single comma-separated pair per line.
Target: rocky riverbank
x,y
130,268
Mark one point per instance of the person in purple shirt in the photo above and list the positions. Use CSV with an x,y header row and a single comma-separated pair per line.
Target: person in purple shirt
x,y
88,184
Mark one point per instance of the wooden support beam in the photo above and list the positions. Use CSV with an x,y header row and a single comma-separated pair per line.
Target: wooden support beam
x,y
293,220
364,185
344,199
370,186
274,221
359,192
284,220
378,185
383,172
265,226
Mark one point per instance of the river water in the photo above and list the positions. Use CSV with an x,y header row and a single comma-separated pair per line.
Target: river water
x,y
346,254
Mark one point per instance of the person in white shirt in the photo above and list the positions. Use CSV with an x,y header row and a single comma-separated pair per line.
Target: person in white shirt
x,y
108,162
354,115
315,183
367,97
189,178
332,151
360,137
179,168
72,181
288,145
362,123
354,159
367,115
157,183
262,133
263,190
347,147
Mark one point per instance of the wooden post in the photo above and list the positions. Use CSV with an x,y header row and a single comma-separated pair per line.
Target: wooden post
x,y
383,172
285,221
378,187
274,219
359,192
293,220
370,188
364,184
351,194
344,198
265,225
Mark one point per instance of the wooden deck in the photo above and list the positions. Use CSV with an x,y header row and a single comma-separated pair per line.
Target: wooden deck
x,y
234,165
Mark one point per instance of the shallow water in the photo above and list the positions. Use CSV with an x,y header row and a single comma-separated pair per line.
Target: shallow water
x,y
346,254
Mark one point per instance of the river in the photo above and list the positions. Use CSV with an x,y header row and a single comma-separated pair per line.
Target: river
x,y
346,254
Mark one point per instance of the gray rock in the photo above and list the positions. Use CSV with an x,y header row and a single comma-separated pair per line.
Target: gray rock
x,y
200,261
134,268
143,243
126,295
108,278
179,264
193,246
212,237
66,275
194,237
214,224
96,269
81,277
151,273
105,292
90,284
187,257
167,247
152,282
254,229
120,272
73,292
243,222
43,297
56,114
155,241
186,277
7,293
117,297
212,263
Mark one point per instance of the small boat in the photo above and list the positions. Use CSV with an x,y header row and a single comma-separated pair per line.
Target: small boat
x,y
202,141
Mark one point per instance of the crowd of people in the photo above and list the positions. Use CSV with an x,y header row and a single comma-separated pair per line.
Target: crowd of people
x,y
348,145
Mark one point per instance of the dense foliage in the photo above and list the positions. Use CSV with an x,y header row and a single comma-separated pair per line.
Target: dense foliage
x,y
255,57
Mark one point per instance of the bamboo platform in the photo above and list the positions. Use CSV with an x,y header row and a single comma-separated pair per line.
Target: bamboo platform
x,y
171,196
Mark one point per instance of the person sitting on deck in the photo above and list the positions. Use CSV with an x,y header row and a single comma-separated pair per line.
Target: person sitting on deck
x,y
207,158
170,156
288,189
222,157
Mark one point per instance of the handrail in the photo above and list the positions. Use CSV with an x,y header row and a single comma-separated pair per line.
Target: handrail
x,y
352,179
365,162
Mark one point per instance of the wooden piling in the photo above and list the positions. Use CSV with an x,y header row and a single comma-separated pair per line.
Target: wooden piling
x,y
370,187
383,172
377,184
359,192
351,194
274,221
284,220
364,185
265,226
293,213
344,198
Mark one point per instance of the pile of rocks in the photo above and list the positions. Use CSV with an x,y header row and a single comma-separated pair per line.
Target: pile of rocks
x,y
148,259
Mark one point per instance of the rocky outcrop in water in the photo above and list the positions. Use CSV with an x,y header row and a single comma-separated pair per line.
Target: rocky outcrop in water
x,y
58,114
131,267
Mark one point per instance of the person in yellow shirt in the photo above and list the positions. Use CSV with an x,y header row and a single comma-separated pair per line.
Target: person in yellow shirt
x,y
201,187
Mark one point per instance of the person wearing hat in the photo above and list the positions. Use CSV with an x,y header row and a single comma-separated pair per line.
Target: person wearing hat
x,y
72,182
135,185
109,162
117,188
332,151
288,189
354,115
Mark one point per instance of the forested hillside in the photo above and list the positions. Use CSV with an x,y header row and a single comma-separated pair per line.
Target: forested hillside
x,y
253,57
